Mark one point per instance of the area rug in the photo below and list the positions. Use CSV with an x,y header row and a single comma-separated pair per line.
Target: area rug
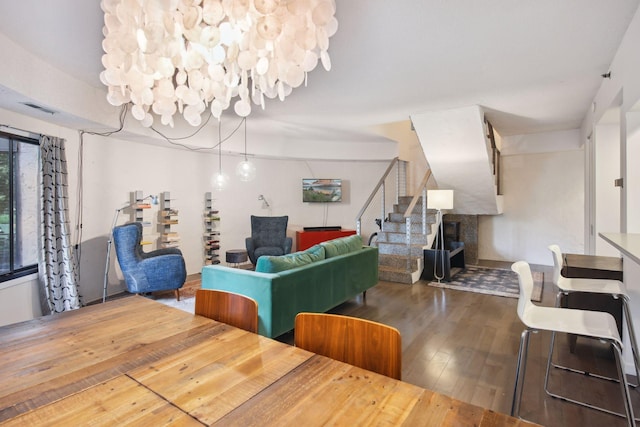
x,y
492,281
187,296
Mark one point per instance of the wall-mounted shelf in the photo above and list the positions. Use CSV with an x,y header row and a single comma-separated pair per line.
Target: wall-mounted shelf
x,y
139,205
211,231
167,217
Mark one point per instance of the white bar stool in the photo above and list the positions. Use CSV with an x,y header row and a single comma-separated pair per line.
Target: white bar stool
x,y
592,324
615,288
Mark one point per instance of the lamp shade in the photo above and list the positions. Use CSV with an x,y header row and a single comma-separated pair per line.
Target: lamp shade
x,y
440,199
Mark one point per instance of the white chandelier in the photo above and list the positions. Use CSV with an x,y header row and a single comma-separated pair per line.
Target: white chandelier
x,y
168,56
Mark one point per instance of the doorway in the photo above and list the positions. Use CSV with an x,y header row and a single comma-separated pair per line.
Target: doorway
x,y
603,157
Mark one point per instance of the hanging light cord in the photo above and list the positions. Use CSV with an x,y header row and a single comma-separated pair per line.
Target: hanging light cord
x,y
245,139
220,147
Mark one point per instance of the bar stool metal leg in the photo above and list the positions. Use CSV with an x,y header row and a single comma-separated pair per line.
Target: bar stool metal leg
x,y
624,386
632,339
521,368
631,419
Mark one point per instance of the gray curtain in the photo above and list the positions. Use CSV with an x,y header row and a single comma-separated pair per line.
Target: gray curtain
x,y
57,265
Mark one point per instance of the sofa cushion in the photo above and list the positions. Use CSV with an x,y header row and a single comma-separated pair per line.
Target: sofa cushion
x,y
342,245
276,264
316,251
268,250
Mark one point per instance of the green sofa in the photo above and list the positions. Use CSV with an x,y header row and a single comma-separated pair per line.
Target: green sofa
x,y
314,280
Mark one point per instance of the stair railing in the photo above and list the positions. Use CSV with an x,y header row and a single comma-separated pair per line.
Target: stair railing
x,y
495,156
379,186
421,191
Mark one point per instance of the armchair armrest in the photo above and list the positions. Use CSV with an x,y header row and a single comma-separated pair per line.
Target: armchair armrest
x,y
288,243
251,247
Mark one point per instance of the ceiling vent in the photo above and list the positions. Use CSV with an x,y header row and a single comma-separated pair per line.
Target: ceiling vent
x,y
39,108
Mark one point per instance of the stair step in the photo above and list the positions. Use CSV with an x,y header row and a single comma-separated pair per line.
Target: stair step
x,y
402,207
416,218
399,227
417,209
399,261
405,200
399,249
390,274
400,237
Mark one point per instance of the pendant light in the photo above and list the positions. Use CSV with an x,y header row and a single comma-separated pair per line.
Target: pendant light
x,y
246,170
163,55
220,180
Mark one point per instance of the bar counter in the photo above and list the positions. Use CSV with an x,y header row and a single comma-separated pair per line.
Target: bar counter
x,y
629,246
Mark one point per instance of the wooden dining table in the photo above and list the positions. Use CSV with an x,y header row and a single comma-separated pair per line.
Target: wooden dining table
x,y
135,361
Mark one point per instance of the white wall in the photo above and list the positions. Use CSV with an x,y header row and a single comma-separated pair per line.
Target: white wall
x,y
632,182
543,142
114,167
19,300
543,204
624,83
607,196
410,150
126,166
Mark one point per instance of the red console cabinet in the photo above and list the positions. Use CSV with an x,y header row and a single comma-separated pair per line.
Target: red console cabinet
x,y
306,239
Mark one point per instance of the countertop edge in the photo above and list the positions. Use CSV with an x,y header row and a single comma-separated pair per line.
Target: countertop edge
x,y
627,243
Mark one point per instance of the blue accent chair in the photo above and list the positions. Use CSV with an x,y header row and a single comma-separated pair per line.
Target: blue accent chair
x,y
159,270
268,237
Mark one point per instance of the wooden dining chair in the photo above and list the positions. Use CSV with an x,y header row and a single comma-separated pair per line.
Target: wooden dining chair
x,y
363,343
226,307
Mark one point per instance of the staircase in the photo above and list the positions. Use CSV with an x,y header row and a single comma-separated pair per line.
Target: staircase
x,y
463,155
460,145
392,247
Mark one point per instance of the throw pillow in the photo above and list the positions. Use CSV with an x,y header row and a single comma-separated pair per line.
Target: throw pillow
x,y
342,245
276,264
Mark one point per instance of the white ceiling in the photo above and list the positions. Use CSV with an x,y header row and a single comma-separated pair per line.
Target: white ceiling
x,y
535,65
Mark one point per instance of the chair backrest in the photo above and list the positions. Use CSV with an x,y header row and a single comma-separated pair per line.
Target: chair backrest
x,y
226,307
126,239
525,281
557,263
269,230
363,343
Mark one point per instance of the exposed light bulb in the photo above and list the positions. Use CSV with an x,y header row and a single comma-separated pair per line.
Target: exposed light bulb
x,y
246,170
219,181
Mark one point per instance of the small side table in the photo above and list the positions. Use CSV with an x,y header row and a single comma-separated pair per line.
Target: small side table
x,y
452,257
236,256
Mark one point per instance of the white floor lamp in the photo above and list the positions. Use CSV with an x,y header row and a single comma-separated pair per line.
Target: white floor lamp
x,y
440,200
154,201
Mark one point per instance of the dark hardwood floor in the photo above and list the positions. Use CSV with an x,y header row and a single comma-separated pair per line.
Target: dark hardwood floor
x,y
465,345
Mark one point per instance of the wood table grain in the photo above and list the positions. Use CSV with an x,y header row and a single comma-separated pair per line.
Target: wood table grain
x,y
135,361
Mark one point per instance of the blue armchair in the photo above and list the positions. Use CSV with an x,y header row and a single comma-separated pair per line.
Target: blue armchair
x,y
268,237
159,270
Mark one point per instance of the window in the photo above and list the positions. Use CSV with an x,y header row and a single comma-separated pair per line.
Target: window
x,y
18,206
